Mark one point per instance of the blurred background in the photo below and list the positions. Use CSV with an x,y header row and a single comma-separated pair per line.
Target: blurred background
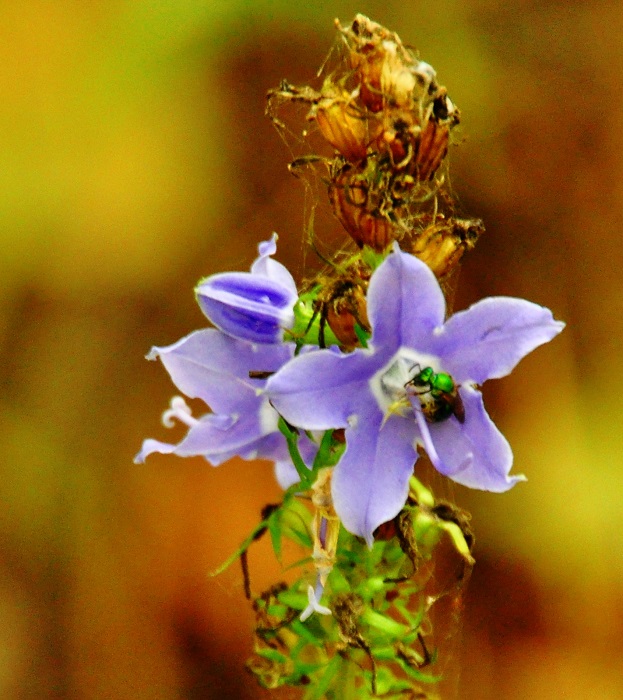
x,y
135,158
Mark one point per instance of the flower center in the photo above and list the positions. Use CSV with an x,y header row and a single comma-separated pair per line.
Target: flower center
x,y
389,385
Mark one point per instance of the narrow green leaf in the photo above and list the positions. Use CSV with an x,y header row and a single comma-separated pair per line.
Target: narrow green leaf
x,y
317,691
272,654
305,632
243,547
383,623
297,601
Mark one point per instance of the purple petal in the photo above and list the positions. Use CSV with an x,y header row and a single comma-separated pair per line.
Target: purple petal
x,y
286,474
212,366
150,446
247,306
487,340
371,481
266,267
218,438
322,389
254,306
405,303
474,453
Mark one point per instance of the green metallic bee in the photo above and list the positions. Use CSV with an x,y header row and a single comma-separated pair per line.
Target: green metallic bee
x,y
438,395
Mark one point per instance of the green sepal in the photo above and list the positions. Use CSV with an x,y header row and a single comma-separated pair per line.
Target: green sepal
x,y
278,611
306,328
329,451
370,587
458,540
387,684
289,520
427,531
305,631
373,258
293,599
362,335
292,439
417,674
295,523
422,495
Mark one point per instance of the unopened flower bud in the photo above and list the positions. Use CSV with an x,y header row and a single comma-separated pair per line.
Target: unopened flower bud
x,y
255,306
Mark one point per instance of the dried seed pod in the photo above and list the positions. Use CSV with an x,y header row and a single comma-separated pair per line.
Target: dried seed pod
x,y
359,200
416,148
341,304
383,67
348,128
431,149
418,151
346,310
441,245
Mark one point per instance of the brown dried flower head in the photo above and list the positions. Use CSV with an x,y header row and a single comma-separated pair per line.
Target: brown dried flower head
x,y
389,123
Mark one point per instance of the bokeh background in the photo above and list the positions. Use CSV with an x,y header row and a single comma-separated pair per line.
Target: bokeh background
x,y
135,159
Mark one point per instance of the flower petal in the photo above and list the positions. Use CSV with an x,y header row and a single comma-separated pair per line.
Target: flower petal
x,y
214,367
371,481
254,306
218,438
474,453
314,595
405,303
246,306
322,389
150,446
286,474
487,340
265,266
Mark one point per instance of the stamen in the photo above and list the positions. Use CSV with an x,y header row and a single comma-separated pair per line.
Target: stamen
x,y
398,408
314,595
179,410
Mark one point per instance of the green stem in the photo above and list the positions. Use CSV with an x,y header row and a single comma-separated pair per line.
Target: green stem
x,y
345,686
292,439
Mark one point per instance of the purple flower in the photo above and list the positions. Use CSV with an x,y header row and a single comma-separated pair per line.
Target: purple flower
x,y
373,393
254,306
214,367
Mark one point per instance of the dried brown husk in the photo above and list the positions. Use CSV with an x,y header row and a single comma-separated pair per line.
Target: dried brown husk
x,y
348,128
442,244
341,302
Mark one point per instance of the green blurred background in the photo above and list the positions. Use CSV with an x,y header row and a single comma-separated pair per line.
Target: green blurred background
x,y
135,159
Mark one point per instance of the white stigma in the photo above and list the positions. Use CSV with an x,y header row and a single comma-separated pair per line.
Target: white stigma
x,y
180,411
314,596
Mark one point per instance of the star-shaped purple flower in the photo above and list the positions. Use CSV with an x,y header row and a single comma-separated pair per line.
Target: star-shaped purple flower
x,y
370,392
214,367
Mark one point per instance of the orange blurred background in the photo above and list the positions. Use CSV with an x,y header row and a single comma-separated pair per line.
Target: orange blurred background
x,y
135,159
